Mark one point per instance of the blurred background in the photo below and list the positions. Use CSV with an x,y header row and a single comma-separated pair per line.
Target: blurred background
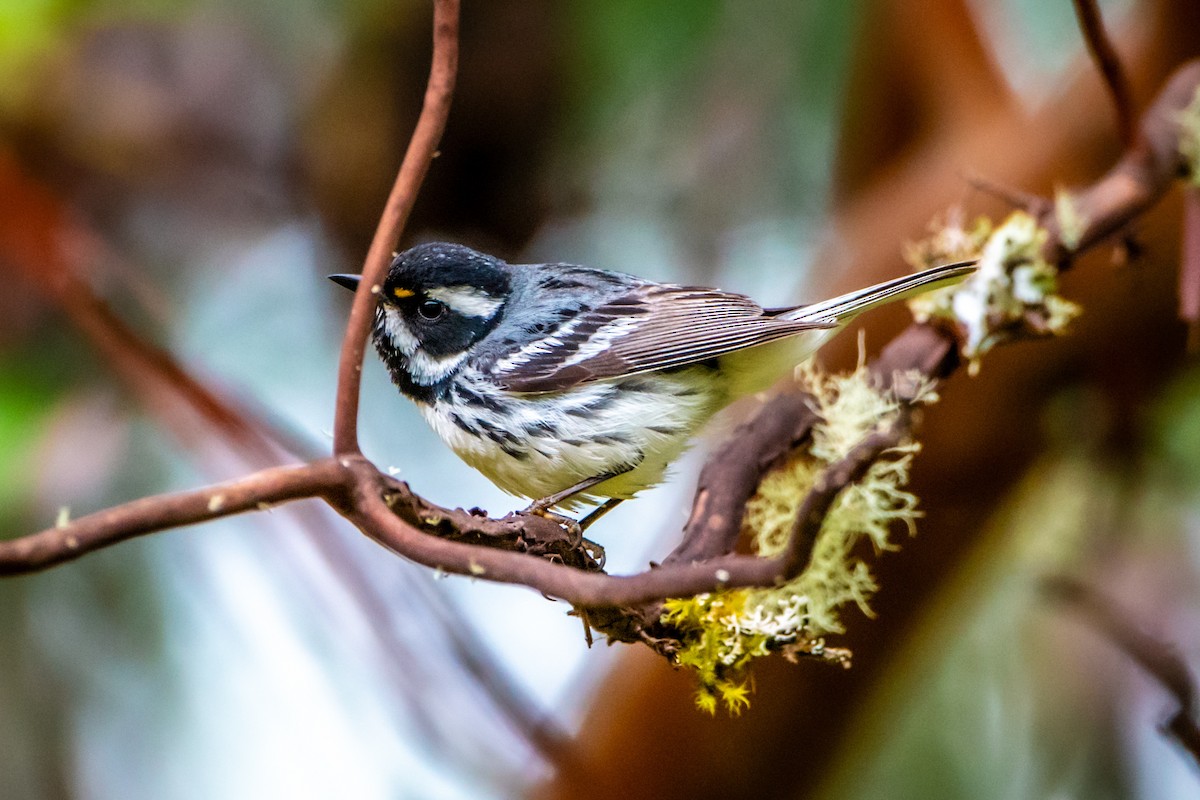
x,y
196,167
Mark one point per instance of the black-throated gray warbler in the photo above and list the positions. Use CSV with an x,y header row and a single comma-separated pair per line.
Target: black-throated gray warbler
x,y
563,383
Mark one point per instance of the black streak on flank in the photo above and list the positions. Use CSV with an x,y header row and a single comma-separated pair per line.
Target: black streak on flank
x,y
611,438
519,455
665,430
599,404
466,426
470,398
542,427
498,435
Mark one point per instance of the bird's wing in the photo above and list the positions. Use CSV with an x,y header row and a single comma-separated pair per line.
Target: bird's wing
x,y
653,327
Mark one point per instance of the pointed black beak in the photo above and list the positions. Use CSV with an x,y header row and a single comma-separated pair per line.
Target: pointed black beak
x,y
349,281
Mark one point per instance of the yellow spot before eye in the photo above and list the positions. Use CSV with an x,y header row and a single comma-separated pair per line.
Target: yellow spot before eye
x,y
402,293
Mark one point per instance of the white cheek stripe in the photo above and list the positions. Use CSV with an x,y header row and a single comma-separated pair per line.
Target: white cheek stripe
x,y
427,370
467,301
424,368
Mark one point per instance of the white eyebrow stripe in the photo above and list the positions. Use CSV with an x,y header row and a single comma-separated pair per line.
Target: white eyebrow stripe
x,y
466,301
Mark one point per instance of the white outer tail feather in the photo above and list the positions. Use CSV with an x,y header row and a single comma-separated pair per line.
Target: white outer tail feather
x,y
843,308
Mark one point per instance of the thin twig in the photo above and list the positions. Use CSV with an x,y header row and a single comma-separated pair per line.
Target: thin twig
x,y
1103,52
1144,173
1013,197
827,487
729,479
72,538
421,151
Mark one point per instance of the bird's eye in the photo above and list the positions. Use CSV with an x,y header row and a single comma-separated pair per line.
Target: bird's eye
x,y
431,309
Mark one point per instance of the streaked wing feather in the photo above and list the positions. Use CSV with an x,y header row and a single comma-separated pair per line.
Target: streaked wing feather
x,y
655,327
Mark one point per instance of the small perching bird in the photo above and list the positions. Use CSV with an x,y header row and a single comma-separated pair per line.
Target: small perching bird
x,y
564,383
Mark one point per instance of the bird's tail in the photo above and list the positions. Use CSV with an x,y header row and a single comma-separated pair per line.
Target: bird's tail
x,y
841,309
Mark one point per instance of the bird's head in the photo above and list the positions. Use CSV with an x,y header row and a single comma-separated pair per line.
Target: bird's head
x,y
437,301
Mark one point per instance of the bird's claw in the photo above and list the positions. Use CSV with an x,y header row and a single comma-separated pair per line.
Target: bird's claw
x,y
569,524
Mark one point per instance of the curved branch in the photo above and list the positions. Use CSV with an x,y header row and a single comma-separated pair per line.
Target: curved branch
x,y
421,150
1143,174
728,481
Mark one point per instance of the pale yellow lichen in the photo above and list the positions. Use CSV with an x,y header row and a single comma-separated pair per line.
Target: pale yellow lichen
x,y
724,631
1013,293
1071,222
1189,137
949,240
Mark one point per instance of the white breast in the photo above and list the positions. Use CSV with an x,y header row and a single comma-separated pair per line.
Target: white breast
x,y
538,444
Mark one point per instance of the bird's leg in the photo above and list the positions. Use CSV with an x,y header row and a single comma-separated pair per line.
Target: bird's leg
x,y
595,550
551,500
599,511
574,527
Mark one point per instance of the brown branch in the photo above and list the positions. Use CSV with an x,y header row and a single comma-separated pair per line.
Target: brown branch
x,y
1102,51
1189,267
1158,658
33,223
730,477
1143,174
422,148
257,492
367,509
1034,204
825,491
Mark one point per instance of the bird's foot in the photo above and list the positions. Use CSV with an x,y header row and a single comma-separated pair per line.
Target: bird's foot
x,y
569,524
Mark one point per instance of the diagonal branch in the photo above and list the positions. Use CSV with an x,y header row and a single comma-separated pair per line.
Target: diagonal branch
x,y
71,539
728,482
829,484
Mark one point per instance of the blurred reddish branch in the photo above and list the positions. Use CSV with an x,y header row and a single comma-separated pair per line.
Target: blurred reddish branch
x,y
1104,53
533,551
1189,262
1161,661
